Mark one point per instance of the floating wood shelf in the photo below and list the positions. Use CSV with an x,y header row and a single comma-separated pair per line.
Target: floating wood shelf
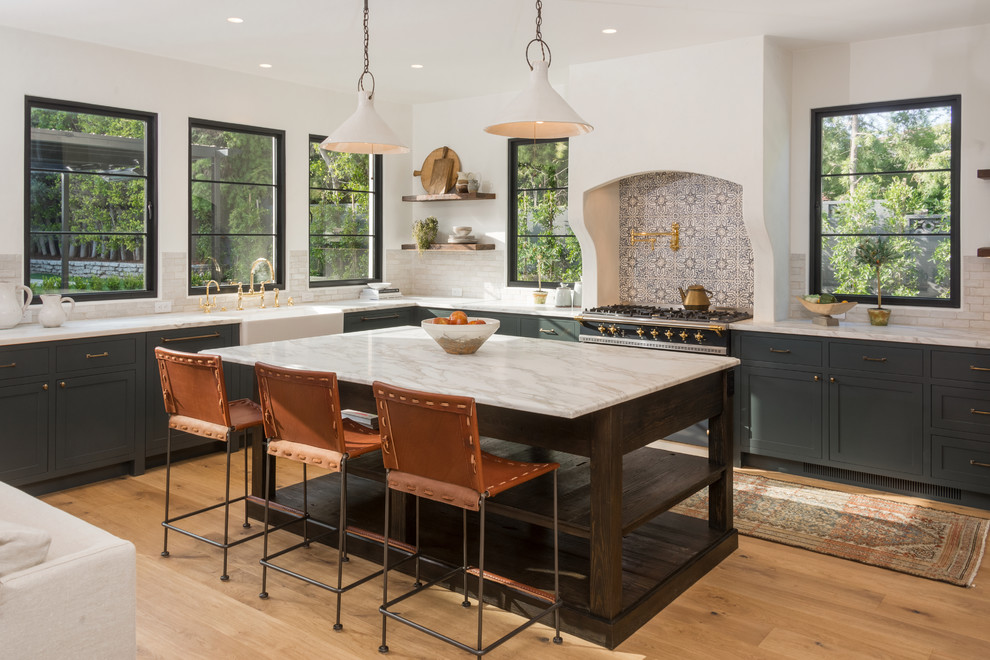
x,y
453,246
447,197
983,252
983,174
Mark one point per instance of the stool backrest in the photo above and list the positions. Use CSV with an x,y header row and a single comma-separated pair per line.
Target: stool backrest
x,y
301,406
193,385
430,435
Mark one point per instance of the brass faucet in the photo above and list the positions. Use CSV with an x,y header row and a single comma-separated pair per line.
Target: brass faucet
x,y
206,305
651,237
251,292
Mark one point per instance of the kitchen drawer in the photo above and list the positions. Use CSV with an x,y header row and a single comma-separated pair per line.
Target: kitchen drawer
x,y
962,409
373,319
100,354
781,349
545,327
23,362
191,340
876,358
971,367
962,461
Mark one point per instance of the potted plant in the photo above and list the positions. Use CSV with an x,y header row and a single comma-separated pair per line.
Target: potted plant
x,y
539,296
874,253
425,232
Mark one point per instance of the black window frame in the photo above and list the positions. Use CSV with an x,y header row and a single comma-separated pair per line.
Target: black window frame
x,y
279,208
378,250
954,102
512,236
151,193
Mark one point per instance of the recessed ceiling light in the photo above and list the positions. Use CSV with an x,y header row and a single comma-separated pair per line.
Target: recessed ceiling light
x,y
234,19
416,66
609,31
265,66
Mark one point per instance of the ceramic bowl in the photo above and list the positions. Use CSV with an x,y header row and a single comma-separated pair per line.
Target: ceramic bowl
x,y
826,309
462,231
379,285
461,339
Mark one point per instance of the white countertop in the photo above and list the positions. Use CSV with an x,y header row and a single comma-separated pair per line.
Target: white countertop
x,y
910,334
531,375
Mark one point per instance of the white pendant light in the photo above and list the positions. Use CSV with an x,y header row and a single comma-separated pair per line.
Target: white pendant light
x,y
365,132
539,111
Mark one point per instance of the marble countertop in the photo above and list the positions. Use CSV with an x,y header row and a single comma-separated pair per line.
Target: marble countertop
x,y
27,333
524,374
910,334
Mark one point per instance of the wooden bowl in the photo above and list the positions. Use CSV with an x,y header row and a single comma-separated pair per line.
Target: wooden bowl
x,y
826,309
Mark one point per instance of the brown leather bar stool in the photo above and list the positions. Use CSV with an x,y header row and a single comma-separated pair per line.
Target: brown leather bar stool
x,y
196,402
431,449
301,411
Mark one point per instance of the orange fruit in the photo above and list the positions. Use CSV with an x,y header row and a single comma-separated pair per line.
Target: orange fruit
x,y
476,322
458,318
440,320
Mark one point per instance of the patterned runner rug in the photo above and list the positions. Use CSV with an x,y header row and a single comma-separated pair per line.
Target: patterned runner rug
x,y
934,544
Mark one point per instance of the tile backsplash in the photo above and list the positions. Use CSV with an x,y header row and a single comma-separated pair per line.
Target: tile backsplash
x,y
715,247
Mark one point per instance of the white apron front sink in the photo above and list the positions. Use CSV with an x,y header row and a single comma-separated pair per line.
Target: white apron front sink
x,y
279,323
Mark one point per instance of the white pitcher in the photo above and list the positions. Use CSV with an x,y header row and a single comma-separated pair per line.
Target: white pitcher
x,y
11,307
52,313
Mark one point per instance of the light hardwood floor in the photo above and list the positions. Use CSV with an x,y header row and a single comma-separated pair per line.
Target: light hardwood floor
x,y
764,601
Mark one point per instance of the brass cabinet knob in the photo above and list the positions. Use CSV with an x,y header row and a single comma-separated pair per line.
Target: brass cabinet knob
x,y
45,387
817,378
61,384
831,380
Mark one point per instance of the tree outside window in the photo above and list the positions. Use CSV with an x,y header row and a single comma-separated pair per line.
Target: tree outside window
x,y
236,202
539,233
90,187
344,217
888,170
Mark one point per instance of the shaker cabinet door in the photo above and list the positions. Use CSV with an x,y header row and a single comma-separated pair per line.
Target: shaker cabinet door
x,y
95,422
24,439
877,424
781,413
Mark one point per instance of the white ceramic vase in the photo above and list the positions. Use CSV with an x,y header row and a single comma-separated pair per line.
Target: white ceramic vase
x,y
12,306
52,312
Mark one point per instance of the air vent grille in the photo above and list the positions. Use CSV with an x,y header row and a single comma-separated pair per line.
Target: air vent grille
x,y
884,483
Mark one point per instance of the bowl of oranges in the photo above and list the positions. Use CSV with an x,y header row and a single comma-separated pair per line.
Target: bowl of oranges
x,y
459,334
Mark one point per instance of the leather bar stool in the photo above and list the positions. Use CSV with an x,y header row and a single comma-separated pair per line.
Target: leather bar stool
x,y
431,449
301,411
196,402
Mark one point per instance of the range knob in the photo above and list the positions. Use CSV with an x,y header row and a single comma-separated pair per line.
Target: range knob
x,y
654,333
612,329
640,332
601,328
669,334
699,336
683,335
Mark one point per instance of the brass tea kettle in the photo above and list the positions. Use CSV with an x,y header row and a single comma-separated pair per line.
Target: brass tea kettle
x,y
696,297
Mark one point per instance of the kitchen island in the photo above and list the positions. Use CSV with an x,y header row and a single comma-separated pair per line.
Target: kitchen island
x,y
624,555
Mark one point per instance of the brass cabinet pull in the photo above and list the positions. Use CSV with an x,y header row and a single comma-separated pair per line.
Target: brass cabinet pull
x,y
167,340
379,318
62,384
869,359
817,378
8,366
974,411
978,464
975,368
548,332
45,387
97,355
780,350
831,380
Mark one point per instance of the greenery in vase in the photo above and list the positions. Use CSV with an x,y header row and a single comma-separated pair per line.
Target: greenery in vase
x,y
425,232
875,253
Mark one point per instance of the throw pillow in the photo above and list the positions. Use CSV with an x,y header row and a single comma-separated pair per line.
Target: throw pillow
x,y
21,547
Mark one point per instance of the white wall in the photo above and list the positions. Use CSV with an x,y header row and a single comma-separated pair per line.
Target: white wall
x,y
695,110
51,67
930,64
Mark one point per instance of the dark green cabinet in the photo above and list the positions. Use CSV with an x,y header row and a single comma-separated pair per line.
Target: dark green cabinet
x,y
189,340
373,319
782,413
549,327
24,441
95,422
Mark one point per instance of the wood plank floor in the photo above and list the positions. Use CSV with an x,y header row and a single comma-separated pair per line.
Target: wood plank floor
x,y
765,601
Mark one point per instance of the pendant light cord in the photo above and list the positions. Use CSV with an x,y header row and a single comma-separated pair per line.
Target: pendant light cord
x,y
544,47
367,71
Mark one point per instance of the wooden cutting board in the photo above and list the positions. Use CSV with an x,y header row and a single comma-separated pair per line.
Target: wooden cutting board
x,y
439,172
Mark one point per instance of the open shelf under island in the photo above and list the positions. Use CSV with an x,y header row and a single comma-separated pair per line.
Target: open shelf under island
x,y
624,554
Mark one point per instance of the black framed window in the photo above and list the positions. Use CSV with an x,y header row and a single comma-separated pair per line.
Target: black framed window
x,y
90,194
539,234
887,170
236,203
345,217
